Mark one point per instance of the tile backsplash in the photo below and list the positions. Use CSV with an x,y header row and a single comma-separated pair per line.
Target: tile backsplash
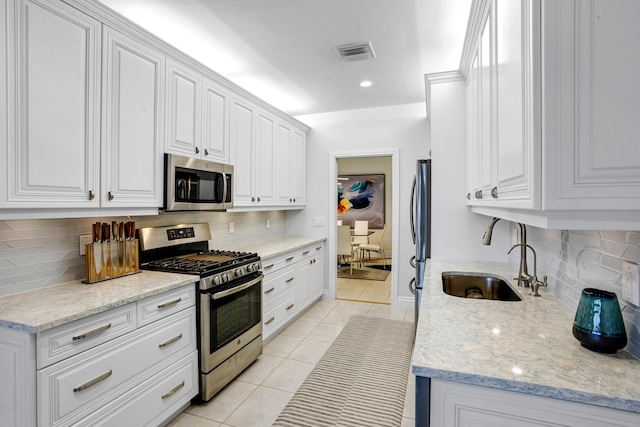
x,y
45,252
574,260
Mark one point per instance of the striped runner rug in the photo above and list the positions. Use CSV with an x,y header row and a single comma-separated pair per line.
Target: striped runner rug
x,y
360,381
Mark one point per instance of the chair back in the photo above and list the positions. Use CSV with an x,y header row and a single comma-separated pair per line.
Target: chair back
x,y
361,229
344,240
381,235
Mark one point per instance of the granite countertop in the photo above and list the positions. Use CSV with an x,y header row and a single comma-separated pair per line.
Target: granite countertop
x,y
523,346
274,247
45,308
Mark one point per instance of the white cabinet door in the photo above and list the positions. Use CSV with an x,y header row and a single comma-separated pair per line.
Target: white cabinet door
x,y
473,129
592,112
283,164
183,104
242,142
215,122
290,167
317,274
53,106
487,115
298,166
264,160
133,76
514,90
463,405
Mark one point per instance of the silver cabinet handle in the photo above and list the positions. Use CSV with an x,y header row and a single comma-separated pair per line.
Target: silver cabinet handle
x,y
253,199
92,195
258,199
197,150
290,280
206,152
173,390
290,307
305,252
318,248
494,192
170,341
269,290
91,333
268,266
167,304
93,381
111,196
290,258
270,320
468,196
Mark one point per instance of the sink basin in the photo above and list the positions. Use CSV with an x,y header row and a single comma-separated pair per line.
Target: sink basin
x,y
478,286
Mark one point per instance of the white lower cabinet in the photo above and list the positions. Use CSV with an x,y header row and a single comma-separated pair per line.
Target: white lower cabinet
x,y
292,282
463,405
133,365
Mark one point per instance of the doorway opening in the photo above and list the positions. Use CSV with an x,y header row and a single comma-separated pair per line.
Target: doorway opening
x,y
365,219
383,287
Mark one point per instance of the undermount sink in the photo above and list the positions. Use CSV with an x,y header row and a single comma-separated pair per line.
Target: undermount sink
x,y
477,286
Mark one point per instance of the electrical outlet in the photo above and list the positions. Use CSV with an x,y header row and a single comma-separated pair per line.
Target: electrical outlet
x,y
84,240
267,223
631,283
232,228
318,221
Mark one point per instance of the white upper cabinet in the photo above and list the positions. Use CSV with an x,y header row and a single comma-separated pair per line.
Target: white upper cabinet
x,y
242,153
52,78
133,76
264,159
562,107
197,114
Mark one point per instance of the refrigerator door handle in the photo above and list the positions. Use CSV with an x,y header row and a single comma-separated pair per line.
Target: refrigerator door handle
x,y
413,228
412,261
412,285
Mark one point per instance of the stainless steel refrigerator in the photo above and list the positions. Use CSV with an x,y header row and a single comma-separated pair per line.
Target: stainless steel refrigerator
x,y
420,216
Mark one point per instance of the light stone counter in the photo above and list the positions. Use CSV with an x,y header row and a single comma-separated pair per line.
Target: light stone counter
x,y
42,309
522,346
274,247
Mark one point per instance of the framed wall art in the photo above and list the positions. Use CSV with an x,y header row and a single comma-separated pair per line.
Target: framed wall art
x,y
361,197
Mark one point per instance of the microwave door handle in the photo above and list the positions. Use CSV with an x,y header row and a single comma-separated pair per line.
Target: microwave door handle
x,y
413,229
226,293
224,187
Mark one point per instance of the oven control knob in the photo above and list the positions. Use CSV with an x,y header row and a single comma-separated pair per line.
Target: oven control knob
x,y
249,268
238,272
216,280
224,278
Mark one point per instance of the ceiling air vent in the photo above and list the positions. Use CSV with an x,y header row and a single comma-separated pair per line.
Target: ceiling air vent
x,y
355,52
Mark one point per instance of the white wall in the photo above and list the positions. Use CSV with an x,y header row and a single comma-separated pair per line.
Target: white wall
x,y
457,233
402,127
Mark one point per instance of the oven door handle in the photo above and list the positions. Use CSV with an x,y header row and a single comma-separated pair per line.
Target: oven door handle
x,y
226,293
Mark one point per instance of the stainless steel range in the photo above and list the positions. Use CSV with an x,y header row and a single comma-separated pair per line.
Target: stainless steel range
x,y
230,298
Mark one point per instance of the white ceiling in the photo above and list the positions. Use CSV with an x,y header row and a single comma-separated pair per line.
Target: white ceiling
x,y
283,50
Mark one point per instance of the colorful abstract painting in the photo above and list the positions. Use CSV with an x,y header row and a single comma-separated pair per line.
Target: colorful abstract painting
x,y
361,197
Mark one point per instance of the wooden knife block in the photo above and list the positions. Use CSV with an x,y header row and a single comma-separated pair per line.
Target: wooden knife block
x,y
111,259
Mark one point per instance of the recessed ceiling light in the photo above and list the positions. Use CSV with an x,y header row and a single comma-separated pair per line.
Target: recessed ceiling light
x,y
366,83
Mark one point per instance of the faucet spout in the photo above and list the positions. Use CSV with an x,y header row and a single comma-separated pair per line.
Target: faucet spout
x,y
486,238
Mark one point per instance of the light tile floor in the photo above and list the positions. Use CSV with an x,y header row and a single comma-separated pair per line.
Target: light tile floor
x,y
376,291
258,395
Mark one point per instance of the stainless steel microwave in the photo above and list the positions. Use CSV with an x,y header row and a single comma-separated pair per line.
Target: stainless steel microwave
x,y
196,184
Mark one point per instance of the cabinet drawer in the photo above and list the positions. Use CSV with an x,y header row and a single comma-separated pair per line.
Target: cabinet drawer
x,y
78,386
156,307
276,284
72,338
274,264
279,315
310,250
151,402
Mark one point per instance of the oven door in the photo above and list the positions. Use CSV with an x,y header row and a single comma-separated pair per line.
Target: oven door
x,y
230,318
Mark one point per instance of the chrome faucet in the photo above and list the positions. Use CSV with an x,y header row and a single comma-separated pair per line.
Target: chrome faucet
x,y
523,274
533,280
